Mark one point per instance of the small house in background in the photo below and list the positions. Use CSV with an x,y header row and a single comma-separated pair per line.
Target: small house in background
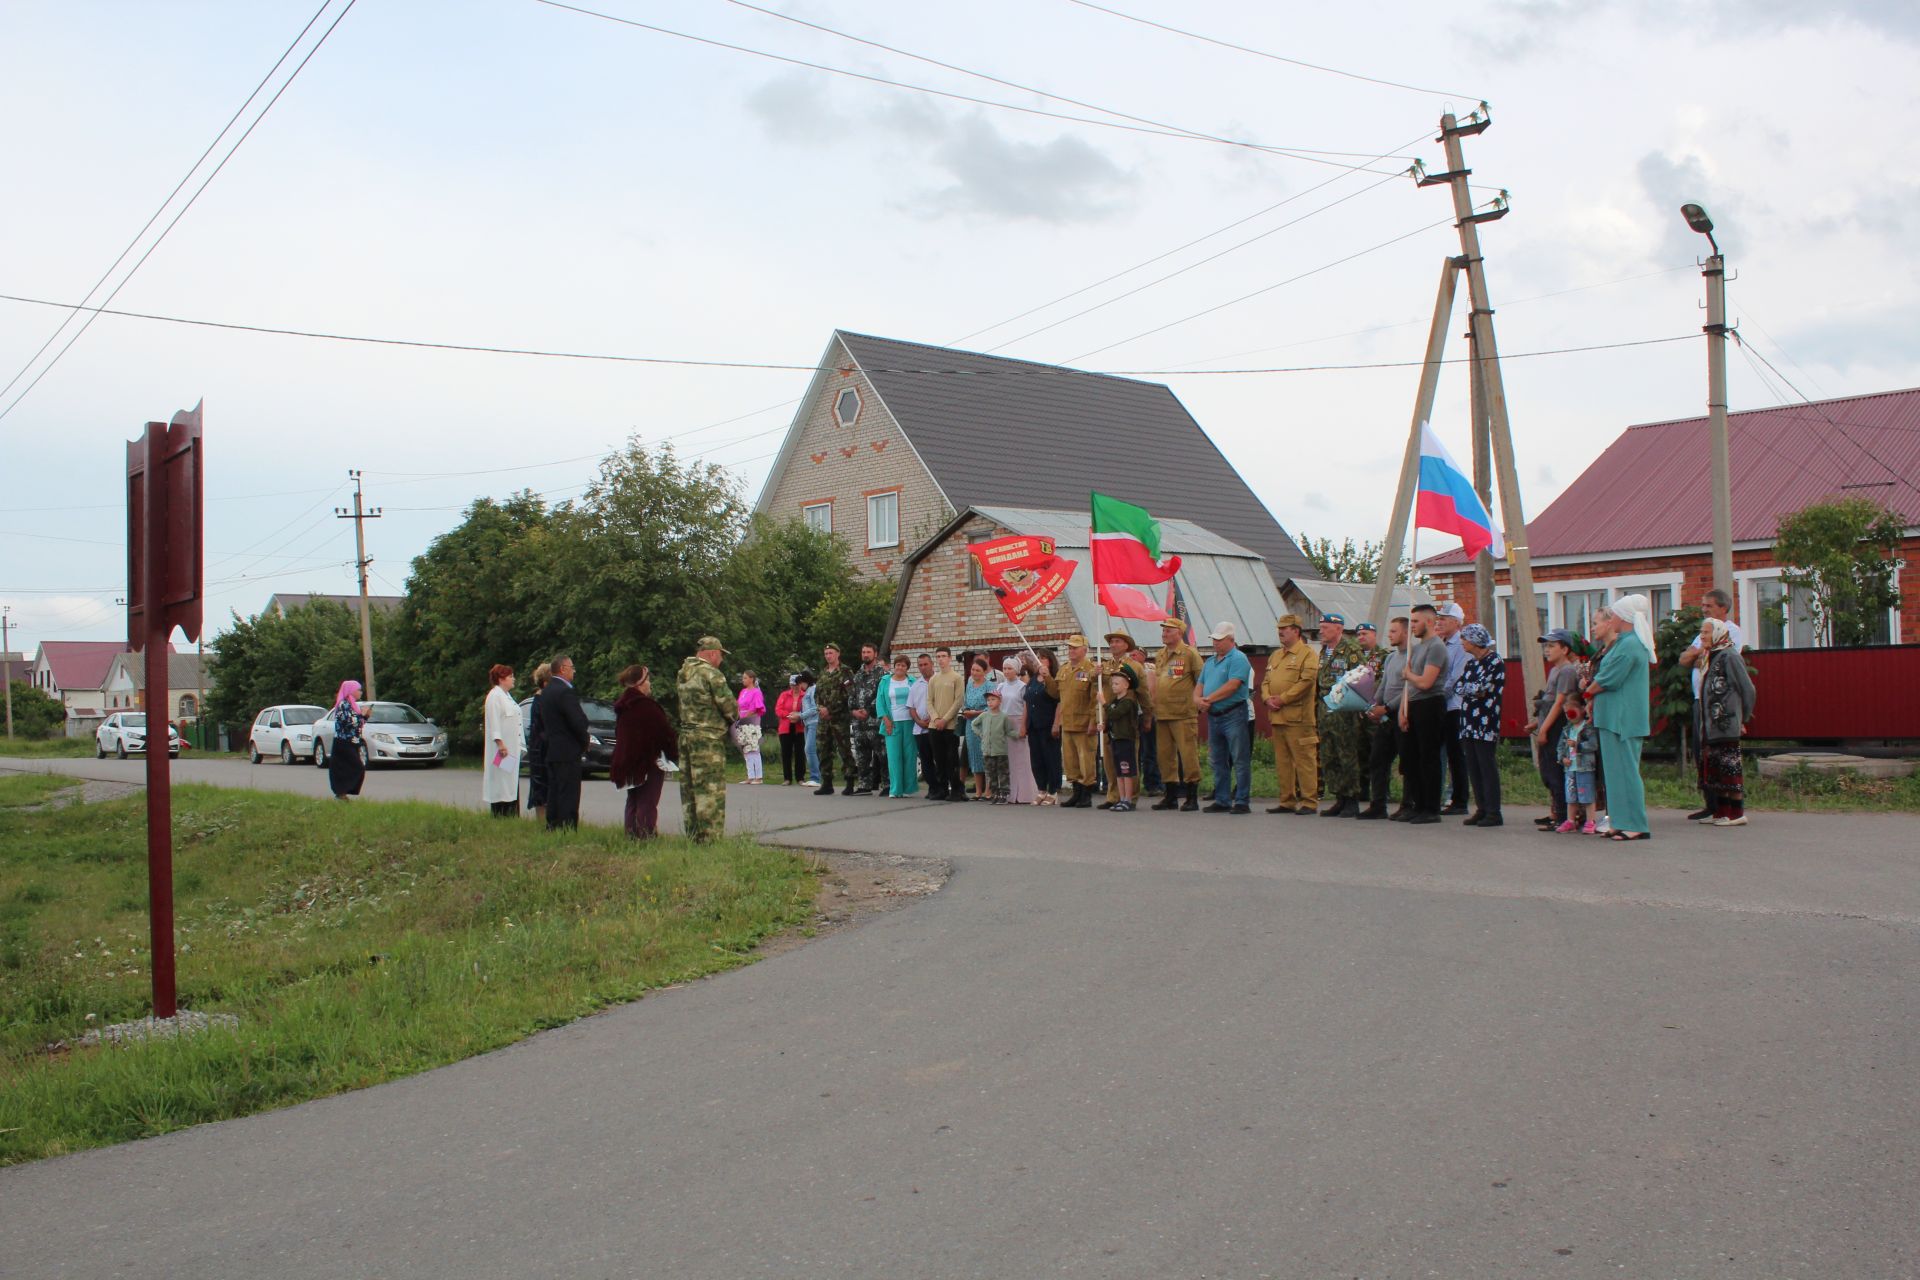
x,y
943,600
1314,598
281,603
894,439
78,673
126,686
1640,519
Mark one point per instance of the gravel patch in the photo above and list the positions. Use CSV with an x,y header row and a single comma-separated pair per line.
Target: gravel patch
x,y
183,1023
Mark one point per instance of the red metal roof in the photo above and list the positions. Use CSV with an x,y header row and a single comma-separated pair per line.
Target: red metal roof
x,y
82,664
1652,487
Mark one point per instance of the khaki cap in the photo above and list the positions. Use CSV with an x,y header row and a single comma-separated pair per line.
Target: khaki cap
x,y
1076,641
709,642
1175,623
1287,620
1117,634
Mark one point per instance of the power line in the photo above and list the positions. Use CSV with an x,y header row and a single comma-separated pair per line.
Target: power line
x,y
1212,257
184,179
1026,88
1877,460
1276,57
161,238
1296,153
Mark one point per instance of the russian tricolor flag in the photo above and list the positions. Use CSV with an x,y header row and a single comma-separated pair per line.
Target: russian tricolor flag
x,y
1446,501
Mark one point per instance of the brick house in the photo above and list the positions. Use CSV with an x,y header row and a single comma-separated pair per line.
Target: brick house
x,y
893,439
1640,519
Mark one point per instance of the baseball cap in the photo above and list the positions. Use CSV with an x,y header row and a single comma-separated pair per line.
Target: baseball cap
x,y
1222,630
1076,641
1560,635
709,642
1452,609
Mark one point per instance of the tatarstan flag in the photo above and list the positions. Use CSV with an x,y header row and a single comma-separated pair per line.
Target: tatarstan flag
x,y
1126,544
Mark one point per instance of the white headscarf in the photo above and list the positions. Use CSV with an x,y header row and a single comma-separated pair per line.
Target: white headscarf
x,y
1719,634
1638,613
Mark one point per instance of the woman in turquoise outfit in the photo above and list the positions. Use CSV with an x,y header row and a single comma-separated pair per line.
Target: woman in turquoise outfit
x,y
1620,688
978,686
896,725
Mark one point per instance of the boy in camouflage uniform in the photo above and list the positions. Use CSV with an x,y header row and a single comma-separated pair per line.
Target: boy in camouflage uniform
x,y
707,710
833,694
869,756
1340,731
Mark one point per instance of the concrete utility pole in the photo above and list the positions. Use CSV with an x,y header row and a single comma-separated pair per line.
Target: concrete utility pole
x,y
1714,272
1486,355
6,661
1484,601
360,515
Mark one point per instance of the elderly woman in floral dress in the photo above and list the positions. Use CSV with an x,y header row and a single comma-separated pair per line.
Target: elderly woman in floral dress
x,y
1482,687
1720,716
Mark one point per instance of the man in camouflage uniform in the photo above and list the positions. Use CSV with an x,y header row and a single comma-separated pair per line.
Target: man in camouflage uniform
x,y
1074,687
1340,731
707,711
1119,659
1373,655
833,694
1176,676
869,756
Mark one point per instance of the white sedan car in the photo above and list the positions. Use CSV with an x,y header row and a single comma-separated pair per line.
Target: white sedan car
x,y
285,731
124,733
394,734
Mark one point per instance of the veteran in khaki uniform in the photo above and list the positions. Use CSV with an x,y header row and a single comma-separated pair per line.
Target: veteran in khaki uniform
x,y
707,711
1341,778
1176,677
1119,661
1290,689
1077,725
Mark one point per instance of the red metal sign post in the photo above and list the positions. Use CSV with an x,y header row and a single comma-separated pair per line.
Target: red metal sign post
x,y
165,555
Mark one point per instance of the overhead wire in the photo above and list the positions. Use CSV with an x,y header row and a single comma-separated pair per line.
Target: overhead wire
x,y
175,221
1275,57
1308,155
178,187
1893,472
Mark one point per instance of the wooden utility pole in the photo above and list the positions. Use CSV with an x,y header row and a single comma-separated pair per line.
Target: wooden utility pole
x,y
1486,358
1389,573
6,661
360,515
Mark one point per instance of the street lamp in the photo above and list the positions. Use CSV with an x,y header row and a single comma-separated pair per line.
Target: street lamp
x,y
1714,272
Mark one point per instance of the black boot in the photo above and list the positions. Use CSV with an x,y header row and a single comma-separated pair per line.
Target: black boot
x,y
849,788
1192,803
826,785
1372,811
1171,800
1340,806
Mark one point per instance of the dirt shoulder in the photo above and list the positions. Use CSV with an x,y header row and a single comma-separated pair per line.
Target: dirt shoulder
x,y
856,887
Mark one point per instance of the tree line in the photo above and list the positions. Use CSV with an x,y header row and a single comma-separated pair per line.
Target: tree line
x,y
655,554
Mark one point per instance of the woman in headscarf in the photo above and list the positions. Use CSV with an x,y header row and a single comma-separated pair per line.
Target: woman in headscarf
x,y
641,737
500,741
346,767
1720,716
537,745
1021,788
1622,708
1482,688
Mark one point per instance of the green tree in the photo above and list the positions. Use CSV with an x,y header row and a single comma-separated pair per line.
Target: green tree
x,y
1673,683
36,713
301,657
466,608
1353,562
1846,555
796,592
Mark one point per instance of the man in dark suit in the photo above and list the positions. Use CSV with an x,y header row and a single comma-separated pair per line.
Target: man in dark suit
x,y
565,723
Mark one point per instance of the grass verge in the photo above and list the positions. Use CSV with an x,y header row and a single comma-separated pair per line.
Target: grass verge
x,y
47,748
355,944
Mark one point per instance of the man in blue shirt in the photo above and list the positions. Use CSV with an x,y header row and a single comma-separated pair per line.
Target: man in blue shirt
x,y
1225,684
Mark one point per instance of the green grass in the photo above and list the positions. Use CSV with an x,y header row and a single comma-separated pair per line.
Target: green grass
x,y
47,748
355,943
17,789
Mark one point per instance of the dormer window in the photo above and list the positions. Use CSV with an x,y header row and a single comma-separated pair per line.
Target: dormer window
x,y
846,407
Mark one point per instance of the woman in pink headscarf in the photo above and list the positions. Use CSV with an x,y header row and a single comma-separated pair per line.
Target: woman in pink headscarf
x,y
346,766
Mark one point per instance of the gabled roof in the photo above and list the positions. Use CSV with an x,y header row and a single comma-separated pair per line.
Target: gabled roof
x,y
288,601
183,670
1351,600
1218,579
80,664
1652,488
997,430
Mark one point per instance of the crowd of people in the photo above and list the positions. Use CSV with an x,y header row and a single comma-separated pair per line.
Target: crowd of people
x,y
1343,711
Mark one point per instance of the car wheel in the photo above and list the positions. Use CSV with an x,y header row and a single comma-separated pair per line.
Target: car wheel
x,y
253,753
286,753
120,748
99,750
319,754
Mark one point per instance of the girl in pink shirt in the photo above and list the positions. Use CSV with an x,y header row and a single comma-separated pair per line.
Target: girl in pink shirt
x,y
747,732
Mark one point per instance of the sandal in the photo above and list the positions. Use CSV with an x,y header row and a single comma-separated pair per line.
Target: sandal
x,y
1624,836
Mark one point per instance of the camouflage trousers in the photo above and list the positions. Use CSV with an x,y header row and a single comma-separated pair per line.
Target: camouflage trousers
x,y
1342,771
869,756
703,787
835,740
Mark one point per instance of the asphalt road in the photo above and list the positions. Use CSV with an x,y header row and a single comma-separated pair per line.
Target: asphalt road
x,y
1147,1045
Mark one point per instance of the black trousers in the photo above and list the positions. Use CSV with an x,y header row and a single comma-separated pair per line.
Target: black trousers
x,y
1425,747
1384,748
1046,761
1552,775
1483,771
793,757
944,745
1458,770
563,793
923,747
1149,760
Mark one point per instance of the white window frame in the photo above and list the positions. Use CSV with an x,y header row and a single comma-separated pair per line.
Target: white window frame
x,y
807,510
1746,590
859,403
1615,586
875,543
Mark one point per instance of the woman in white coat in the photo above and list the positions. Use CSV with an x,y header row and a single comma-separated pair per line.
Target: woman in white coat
x,y
500,767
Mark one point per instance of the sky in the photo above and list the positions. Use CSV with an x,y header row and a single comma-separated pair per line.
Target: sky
x,y
511,173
